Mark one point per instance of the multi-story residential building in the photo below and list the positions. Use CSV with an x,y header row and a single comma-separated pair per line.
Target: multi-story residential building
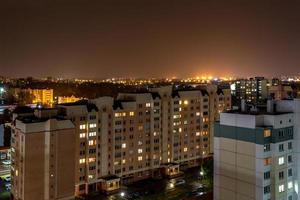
x,y
254,153
42,96
280,92
66,99
253,90
42,156
141,135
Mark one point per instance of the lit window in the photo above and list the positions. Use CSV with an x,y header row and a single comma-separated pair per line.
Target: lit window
x,y
176,116
140,158
140,142
123,161
116,163
290,184
140,150
267,161
267,133
82,160
92,142
82,126
131,113
197,113
140,128
124,114
93,125
118,114
91,134
148,105
82,135
280,160
197,133
186,102
92,159
180,129
124,145
91,176
185,149
281,188
180,102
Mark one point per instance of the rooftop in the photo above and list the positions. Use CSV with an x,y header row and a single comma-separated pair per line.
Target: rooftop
x,y
258,112
35,119
83,102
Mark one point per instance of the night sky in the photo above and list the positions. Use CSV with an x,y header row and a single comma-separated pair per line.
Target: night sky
x,y
149,38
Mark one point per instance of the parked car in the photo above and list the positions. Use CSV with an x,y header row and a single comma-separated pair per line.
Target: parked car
x,y
8,186
6,162
7,178
180,182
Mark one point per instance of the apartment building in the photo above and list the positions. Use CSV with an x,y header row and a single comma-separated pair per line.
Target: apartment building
x,y
253,90
42,156
254,154
42,96
140,135
66,99
280,92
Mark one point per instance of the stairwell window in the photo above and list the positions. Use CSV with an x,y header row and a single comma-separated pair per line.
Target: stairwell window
x,y
281,188
267,133
281,160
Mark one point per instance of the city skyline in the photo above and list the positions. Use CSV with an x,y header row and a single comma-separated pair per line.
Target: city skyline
x,y
149,39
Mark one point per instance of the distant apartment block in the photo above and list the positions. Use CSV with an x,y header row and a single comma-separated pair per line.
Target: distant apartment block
x,y
280,92
256,153
42,96
67,99
133,137
253,90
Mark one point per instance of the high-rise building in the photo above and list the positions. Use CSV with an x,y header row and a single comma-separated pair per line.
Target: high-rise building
x,y
253,90
140,135
255,153
42,155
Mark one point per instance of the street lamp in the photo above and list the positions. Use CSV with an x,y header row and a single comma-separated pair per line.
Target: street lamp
x,y
201,173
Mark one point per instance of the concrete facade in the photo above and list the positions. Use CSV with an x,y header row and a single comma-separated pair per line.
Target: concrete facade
x,y
137,134
42,154
254,156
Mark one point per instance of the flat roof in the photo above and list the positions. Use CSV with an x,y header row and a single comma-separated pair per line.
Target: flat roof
x,y
255,112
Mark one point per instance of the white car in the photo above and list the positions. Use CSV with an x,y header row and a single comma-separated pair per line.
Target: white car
x,y
6,162
7,179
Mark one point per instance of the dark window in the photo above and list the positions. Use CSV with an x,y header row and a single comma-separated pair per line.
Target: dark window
x,y
267,175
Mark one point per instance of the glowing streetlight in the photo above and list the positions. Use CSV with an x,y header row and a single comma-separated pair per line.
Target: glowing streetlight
x,y
201,173
122,194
